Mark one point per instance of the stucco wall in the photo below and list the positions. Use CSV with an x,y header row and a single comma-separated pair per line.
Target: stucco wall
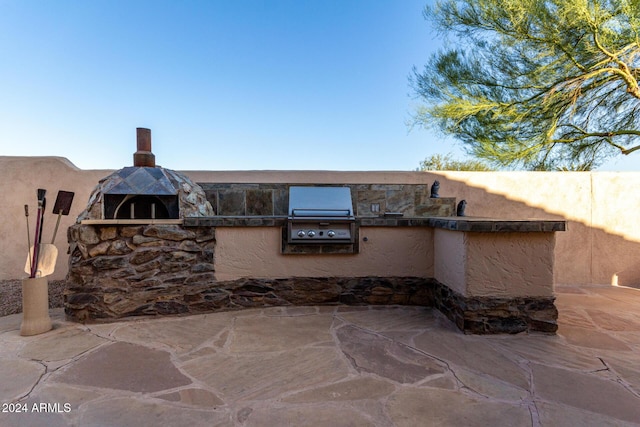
x,y
509,264
255,252
450,259
495,264
20,177
603,208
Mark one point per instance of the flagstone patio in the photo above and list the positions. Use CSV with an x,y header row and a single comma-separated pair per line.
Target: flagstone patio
x,y
328,366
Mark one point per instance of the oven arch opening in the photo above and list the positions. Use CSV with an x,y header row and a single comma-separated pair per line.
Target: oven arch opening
x,y
142,207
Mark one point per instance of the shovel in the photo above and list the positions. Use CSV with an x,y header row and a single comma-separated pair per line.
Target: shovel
x,y
61,207
47,256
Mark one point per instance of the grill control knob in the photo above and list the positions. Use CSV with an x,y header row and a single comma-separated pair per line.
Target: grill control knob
x,y
311,233
301,233
331,233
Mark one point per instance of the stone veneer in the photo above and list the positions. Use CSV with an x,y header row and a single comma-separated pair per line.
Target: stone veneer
x,y
369,200
117,271
489,315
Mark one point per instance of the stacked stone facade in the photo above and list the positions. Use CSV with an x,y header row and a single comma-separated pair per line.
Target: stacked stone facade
x,y
490,315
117,271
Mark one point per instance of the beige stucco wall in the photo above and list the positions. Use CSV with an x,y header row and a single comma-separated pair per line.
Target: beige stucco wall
x,y
450,259
255,252
603,208
20,177
495,264
509,264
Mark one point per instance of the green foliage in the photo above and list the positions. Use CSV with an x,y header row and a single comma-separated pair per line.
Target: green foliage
x,y
536,84
439,162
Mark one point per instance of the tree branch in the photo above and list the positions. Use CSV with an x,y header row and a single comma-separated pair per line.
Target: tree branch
x,y
606,136
624,71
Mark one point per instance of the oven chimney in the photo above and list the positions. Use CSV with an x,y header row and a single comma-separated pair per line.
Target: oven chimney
x,y
144,156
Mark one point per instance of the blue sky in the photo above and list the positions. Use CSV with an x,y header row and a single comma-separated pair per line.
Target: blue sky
x,y
222,84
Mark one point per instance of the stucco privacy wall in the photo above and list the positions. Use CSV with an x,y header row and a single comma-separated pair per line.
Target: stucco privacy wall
x,y
603,208
602,241
20,177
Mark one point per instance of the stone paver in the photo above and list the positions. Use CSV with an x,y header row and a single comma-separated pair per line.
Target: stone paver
x,y
412,407
371,353
328,415
263,376
125,366
66,344
18,377
328,366
586,391
475,354
588,337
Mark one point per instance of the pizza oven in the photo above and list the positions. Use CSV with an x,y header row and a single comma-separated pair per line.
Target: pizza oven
x,y
146,192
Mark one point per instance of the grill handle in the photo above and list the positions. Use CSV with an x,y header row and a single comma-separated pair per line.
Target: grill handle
x,y
314,212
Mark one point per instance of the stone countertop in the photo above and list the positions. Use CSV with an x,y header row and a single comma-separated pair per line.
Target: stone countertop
x,y
497,225
236,221
466,224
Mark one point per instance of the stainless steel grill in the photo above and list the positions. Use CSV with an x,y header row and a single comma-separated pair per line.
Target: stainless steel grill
x,y
320,215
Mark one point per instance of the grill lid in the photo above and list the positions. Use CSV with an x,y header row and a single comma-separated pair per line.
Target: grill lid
x,y
321,215
313,202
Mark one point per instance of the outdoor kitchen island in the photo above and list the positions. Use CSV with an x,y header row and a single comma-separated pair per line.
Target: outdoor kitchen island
x,y
487,276
151,241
